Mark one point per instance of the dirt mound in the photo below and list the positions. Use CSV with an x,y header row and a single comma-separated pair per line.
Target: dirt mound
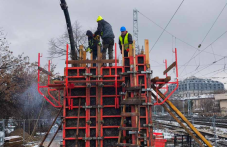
x,y
19,132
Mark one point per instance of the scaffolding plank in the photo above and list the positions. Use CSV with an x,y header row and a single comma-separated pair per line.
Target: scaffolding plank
x,y
169,68
126,144
136,88
45,71
129,114
131,102
91,61
128,128
157,79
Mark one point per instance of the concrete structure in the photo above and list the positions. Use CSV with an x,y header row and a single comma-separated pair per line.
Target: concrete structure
x,y
194,86
222,98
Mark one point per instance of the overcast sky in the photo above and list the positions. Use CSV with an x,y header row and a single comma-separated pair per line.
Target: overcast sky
x,y
30,24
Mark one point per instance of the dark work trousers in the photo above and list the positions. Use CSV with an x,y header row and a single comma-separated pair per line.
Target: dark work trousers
x,y
94,56
125,53
108,44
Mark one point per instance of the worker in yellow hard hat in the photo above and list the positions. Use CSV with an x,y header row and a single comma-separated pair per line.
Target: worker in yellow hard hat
x,y
105,31
124,40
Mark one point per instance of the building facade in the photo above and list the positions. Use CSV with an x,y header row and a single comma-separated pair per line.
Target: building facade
x,y
194,86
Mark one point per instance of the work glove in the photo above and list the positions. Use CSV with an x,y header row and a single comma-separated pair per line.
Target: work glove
x,y
97,37
89,50
100,44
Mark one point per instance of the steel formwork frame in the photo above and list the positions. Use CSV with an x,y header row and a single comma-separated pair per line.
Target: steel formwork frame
x,y
48,86
84,79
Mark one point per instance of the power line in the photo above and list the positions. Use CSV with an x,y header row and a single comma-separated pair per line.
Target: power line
x,y
202,51
213,72
176,36
167,25
206,66
213,25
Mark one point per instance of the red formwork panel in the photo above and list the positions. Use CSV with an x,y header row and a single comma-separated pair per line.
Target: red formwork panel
x,y
110,100
110,115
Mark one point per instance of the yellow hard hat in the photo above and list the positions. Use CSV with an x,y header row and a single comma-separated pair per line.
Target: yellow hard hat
x,y
99,18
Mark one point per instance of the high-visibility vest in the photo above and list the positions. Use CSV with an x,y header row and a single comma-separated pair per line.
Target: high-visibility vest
x,y
126,45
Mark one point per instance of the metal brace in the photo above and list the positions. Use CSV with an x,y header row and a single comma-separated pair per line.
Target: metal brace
x,y
145,138
122,93
89,85
98,106
147,104
101,85
132,72
92,138
89,122
123,73
132,132
148,89
147,125
123,84
87,74
147,72
86,107
97,76
97,138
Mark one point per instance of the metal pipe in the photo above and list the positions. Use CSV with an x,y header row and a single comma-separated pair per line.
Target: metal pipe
x,y
55,134
50,127
69,28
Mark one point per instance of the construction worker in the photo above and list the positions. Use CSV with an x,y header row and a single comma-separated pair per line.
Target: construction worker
x,y
105,31
125,39
92,45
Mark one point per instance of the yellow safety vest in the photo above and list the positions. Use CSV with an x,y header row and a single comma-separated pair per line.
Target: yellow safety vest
x,y
126,45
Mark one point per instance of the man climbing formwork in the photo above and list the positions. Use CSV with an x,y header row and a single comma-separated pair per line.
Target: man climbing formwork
x,y
92,45
105,31
125,39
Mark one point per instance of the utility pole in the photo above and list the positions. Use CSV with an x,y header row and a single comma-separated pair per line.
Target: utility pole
x,y
214,128
136,30
189,107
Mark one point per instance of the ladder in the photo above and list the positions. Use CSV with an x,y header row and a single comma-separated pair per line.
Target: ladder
x,y
135,103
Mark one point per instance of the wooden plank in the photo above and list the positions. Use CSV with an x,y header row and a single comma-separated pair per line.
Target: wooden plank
x,y
98,98
45,71
126,144
130,53
169,68
13,138
133,88
123,55
173,107
84,58
91,61
146,43
131,102
91,58
122,119
129,114
179,121
155,79
128,128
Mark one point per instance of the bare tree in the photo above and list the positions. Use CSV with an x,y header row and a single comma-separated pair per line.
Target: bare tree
x,y
58,45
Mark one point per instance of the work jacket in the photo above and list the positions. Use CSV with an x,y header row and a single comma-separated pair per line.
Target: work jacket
x,y
104,30
126,40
